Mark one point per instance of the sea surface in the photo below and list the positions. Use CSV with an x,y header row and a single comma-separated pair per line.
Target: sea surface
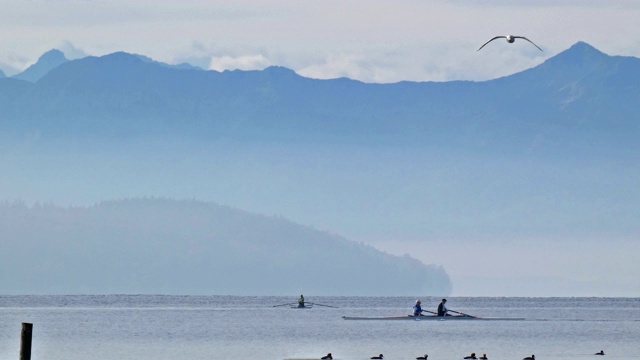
x,y
156,327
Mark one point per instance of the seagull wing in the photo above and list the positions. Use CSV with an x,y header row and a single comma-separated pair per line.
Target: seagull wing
x,y
496,37
522,37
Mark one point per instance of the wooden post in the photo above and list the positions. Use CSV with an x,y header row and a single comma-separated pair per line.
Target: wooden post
x,y
25,341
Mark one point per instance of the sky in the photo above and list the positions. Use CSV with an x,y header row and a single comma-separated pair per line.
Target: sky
x,y
371,41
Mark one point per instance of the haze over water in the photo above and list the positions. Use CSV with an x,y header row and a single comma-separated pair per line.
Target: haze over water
x,y
222,327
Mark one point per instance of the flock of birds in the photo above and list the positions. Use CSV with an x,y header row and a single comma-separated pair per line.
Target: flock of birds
x,y
470,357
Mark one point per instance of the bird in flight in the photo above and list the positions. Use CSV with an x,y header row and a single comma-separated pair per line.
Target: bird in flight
x,y
510,39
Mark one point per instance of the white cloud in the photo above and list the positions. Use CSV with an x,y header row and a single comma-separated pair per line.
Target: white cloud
x,y
244,62
13,64
336,66
70,51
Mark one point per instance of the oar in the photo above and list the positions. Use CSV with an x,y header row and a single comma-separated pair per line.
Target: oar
x,y
432,312
283,304
457,312
324,305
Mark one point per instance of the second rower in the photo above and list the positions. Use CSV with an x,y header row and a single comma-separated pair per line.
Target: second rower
x,y
442,309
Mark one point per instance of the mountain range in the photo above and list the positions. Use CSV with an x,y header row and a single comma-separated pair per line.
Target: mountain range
x,y
580,98
462,174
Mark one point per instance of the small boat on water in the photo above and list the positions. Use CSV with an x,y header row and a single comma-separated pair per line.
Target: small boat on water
x,y
306,305
426,317
302,306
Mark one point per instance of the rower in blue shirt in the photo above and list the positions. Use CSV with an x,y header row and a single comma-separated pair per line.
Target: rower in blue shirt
x,y
417,309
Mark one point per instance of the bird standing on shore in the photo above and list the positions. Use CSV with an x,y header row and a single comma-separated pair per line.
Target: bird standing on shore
x,y
510,39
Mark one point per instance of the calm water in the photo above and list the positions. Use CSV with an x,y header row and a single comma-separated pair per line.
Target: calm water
x,y
222,327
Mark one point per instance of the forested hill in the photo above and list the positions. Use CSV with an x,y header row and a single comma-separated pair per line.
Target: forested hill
x,y
155,246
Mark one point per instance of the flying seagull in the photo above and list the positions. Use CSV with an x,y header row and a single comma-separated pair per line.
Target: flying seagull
x,y
510,40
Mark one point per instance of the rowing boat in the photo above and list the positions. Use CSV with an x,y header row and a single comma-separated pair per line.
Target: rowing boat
x,y
306,306
427,317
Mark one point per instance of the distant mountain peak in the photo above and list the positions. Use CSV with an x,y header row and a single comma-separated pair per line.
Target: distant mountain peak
x,y
581,53
122,56
583,50
125,56
47,62
578,60
274,70
282,69
581,45
53,55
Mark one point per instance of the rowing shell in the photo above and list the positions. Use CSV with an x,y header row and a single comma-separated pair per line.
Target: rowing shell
x,y
301,307
426,317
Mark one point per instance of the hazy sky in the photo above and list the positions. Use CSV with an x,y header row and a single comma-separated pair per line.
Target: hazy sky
x,y
373,41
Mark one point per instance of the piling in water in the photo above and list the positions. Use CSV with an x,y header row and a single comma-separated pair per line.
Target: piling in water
x,y
25,341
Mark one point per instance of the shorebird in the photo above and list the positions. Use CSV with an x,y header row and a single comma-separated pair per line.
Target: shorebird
x,y
510,39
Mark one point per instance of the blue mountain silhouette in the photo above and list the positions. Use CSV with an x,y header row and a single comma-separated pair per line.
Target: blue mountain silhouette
x,y
564,99
48,61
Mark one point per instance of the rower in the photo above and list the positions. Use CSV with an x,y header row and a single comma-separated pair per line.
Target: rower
x,y
471,357
417,309
377,357
532,357
422,357
442,309
327,357
600,353
483,357
301,301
